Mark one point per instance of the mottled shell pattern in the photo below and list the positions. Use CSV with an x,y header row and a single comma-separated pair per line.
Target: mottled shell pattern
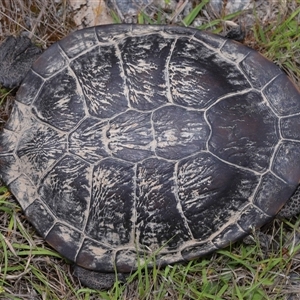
x,y
126,139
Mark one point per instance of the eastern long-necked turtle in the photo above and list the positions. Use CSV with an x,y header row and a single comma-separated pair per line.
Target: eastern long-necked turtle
x,y
127,139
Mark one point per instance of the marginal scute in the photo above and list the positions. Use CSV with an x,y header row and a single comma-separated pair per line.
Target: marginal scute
x,y
109,33
157,207
10,168
59,103
66,240
97,72
128,260
213,40
202,178
66,190
24,116
259,70
30,85
40,217
95,256
8,141
163,259
231,233
207,76
235,51
272,193
198,250
178,137
244,131
289,127
281,91
252,217
50,62
111,206
79,41
287,152
23,189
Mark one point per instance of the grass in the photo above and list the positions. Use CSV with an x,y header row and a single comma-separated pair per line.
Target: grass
x,y
280,41
30,269
238,272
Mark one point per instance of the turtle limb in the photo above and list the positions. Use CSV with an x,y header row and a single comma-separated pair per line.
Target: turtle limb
x,y
97,280
236,33
292,206
16,58
265,240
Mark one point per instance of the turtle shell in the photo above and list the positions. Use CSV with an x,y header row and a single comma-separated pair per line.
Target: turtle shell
x,y
128,140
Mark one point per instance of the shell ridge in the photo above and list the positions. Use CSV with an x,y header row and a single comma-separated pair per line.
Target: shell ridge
x,y
167,74
234,165
123,75
154,141
83,235
179,205
78,87
228,95
133,239
268,83
81,93
243,72
210,129
276,147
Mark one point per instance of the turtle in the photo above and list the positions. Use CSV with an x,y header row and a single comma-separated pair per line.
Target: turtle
x,y
127,141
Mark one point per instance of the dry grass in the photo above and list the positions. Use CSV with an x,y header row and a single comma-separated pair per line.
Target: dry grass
x,y
44,21
29,269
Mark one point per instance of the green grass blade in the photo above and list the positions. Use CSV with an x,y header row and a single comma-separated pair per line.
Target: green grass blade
x,y
188,20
